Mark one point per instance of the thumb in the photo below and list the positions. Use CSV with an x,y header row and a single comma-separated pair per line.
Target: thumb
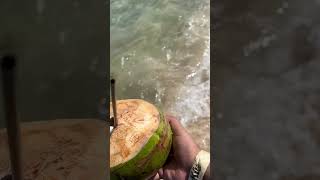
x,y
177,128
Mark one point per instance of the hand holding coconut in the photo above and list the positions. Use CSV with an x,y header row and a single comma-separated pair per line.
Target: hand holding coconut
x,y
182,156
142,139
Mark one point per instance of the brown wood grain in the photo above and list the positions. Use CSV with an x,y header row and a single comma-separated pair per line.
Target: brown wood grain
x,y
60,149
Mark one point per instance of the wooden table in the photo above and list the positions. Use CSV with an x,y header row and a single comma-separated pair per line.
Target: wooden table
x,y
73,149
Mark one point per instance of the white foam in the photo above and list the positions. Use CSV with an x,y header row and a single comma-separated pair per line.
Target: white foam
x,y
193,98
171,65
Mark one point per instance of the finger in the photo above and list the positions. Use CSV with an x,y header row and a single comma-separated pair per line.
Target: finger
x,y
152,175
160,172
156,177
177,128
172,166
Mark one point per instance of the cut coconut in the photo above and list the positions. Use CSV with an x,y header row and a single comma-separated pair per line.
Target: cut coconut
x,y
141,141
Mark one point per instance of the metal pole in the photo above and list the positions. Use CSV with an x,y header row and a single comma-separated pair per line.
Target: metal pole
x,y
13,129
114,105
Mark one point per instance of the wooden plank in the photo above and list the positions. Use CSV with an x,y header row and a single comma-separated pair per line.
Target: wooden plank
x,y
60,149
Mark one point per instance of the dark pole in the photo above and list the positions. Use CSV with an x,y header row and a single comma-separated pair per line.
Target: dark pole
x,y
13,130
114,105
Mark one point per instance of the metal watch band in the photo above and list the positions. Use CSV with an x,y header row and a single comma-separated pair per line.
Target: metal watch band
x,y
200,166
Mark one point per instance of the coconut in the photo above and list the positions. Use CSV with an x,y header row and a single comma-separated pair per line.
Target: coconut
x,y
59,149
141,141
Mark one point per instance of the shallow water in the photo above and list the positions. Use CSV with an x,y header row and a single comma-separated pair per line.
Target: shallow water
x,y
160,53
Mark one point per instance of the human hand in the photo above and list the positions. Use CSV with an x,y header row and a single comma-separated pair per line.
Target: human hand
x,y
182,155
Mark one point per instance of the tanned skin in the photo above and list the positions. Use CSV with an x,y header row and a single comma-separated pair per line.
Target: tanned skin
x,y
183,153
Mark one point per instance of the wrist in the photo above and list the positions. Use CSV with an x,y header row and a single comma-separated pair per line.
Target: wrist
x,y
190,161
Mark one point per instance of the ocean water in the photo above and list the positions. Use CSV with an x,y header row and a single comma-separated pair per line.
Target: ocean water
x,y
160,53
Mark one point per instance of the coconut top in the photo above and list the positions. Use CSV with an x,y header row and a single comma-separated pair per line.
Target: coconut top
x,y
137,121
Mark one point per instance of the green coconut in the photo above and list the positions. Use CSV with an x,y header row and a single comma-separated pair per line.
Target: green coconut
x,y
141,141
114,177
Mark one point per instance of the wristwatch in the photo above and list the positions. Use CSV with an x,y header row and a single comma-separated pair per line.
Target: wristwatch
x,y
200,166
